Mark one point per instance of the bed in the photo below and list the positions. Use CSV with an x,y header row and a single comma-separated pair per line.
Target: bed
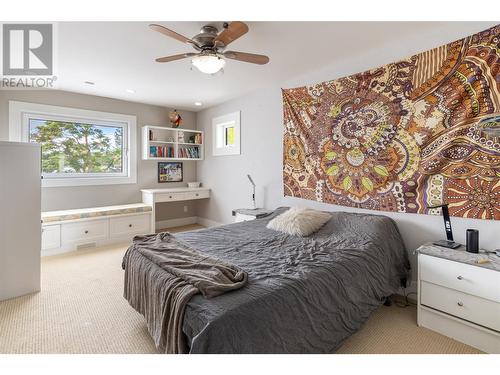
x,y
303,295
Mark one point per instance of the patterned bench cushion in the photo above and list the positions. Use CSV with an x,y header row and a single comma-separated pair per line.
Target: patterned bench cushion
x,y
86,213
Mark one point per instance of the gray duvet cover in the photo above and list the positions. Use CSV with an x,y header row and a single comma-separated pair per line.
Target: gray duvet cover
x,y
304,294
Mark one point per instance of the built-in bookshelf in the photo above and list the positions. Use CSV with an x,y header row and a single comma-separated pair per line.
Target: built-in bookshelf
x,y
163,143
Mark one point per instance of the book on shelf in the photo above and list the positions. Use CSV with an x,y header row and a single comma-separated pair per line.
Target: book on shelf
x,y
161,152
196,138
189,152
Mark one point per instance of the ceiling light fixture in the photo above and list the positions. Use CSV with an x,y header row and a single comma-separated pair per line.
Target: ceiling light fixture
x,y
198,104
208,63
130,91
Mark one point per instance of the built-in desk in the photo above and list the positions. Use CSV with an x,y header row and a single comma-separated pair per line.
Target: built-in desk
x,y
153,196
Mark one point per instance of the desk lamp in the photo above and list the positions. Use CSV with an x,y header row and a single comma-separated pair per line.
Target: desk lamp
x,y
253,194
449,243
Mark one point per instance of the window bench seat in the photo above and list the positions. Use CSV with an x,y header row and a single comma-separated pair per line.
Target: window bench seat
x,y
69,230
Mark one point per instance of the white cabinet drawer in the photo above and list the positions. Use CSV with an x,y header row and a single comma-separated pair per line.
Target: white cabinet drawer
x,y
470,279
197,194
170,197
182,196
51,237
84,232
474,309
128,225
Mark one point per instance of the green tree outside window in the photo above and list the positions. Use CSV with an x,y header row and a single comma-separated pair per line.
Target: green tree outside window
x,y
70,147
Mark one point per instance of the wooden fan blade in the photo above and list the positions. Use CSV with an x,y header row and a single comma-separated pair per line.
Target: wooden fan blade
x,y
235,30
174,57
170,33
247,57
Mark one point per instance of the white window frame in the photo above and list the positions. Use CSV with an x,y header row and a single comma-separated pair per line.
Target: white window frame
x,y
219,124
21,112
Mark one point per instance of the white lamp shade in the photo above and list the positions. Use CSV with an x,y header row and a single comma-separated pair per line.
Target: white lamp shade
x,y
209,64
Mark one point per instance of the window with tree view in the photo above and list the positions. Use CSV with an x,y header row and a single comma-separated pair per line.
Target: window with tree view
x,y
79,149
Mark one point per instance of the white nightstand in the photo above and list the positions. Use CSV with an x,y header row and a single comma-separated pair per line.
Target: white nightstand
x,y
246,214
459,297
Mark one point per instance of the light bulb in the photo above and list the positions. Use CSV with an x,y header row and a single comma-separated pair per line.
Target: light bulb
x,y
208,64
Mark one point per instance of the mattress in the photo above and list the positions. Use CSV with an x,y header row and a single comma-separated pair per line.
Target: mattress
x,y
304,294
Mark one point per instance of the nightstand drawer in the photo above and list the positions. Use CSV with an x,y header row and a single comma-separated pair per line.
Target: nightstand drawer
x,y
466,278
474,309
241,217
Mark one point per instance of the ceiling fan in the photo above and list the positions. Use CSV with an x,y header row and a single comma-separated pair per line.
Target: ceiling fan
x,y
211,46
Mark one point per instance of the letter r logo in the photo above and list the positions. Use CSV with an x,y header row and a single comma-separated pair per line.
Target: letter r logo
x,y
27,49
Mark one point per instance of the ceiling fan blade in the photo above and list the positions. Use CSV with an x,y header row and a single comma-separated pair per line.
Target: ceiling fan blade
x,y
235,30
175,57
170,33
247,57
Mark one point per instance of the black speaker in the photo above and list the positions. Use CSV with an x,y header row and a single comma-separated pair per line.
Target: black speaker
x,y
472,244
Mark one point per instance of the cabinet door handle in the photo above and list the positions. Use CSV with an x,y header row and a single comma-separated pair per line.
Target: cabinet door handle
x,y
459,277
86,232
170,196
459,303
197,194
130,225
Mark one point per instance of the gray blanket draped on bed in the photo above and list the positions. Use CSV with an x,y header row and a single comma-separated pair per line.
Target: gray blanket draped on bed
x,y
181,273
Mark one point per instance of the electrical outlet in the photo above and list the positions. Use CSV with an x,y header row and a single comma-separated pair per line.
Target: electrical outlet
x,y
185,208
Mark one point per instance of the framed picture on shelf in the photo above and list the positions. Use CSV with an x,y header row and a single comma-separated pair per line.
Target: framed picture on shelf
x,y
169,172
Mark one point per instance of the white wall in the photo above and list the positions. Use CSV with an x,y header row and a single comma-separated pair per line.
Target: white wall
x,y
261,148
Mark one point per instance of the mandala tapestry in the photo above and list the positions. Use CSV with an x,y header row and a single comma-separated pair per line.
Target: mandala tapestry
x,y
403,137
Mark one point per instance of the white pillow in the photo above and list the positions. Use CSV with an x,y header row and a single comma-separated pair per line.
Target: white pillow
x,y
300,221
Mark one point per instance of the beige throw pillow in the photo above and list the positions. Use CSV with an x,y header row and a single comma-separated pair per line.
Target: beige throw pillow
x,y
299,221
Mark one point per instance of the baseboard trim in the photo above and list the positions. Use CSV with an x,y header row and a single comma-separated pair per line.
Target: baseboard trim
x,y
208,223
176,222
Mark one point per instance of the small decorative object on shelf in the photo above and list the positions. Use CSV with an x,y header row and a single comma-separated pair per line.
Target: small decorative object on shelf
x,y
169,172
180,137
175,118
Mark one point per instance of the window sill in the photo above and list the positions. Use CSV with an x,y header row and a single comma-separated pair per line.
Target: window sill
x,y
61,182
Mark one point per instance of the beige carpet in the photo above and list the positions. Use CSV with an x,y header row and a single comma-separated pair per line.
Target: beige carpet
x,y
81,310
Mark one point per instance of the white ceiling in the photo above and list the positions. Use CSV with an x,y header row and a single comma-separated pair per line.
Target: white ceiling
x,y
120,55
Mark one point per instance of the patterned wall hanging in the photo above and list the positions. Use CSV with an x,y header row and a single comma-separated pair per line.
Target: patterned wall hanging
x,y
412,134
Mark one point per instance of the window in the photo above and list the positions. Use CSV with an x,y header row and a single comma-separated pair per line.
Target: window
x,y
226,134
229,136
75,148
90,149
